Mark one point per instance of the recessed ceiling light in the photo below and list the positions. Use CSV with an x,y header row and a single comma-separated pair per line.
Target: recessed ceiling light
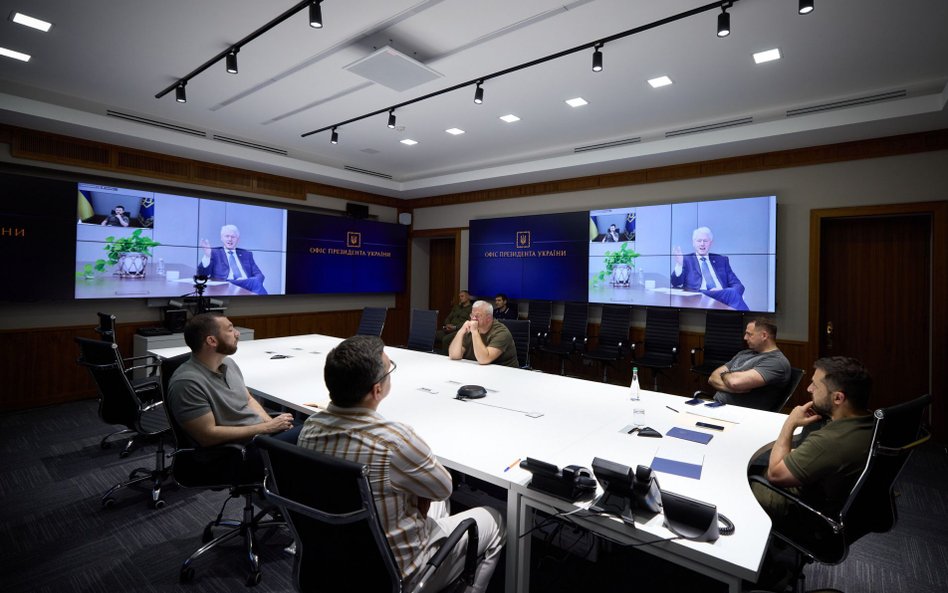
x,y
9,53
455,131
510,118
577,102
660,81
409,142
22,19
767,56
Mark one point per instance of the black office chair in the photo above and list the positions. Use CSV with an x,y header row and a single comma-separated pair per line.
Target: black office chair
x,y
796,375
572,333
723,338
540,314
421,330
613,337
660,344
520,330
137,406
218,468
372,321
106,331
340,543
106,328
825,535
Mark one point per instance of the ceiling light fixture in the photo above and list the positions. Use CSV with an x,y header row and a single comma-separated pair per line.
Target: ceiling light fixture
x,y
577,102
181,95
597,59
231,60
768,55
724,21
479,93
509,118
806,7
9,53
455,131
391,118
28,21
315,15
409,142
660,82
334,139
314,10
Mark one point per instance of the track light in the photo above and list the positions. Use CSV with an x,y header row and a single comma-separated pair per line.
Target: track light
x,y
724,22
231,60
806,7
335,137
315,15
180,95
391,118
597,59
479,93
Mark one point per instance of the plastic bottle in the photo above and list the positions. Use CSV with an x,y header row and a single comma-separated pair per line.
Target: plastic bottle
x,y
640,276
634,388
160,268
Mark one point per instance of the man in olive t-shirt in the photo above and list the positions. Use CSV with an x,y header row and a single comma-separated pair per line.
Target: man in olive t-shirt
x,y
484,339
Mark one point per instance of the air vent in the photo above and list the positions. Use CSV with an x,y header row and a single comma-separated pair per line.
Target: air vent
x,y
612,144
867,100
707,128
367,172
156,123
369,151
247,144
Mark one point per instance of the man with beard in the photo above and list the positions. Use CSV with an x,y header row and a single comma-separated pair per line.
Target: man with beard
x,y
207,395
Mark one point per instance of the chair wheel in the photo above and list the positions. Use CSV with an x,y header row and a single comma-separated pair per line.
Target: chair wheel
x,y
108,503
208,535
254,578
123,454
187,575
158,504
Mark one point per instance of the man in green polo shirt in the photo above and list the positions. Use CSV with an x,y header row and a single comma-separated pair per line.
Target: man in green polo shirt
x,y
484,339
458,315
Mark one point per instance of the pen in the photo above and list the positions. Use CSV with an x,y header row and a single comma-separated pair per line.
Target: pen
x,y
672,409
512,465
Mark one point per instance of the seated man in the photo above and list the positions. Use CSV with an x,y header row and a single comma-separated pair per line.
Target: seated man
x,y
458,315
824,467
706,272
484,339
207,395
404,473
756,377
502,308
231,263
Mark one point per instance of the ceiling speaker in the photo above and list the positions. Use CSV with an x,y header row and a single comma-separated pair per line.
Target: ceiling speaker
x,y
390,67
404,218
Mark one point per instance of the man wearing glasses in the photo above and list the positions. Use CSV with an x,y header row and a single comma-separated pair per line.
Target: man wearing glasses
x,y
410,486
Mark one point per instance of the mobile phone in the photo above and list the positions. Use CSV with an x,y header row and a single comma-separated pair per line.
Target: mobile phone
x,y
715,404
694,401
711,426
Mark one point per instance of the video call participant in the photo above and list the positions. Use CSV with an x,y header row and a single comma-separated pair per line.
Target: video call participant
x,y
502,309
613,235
230,263
755,377
458,315
824,467
207,395
484,339
706,272
404,473
118,217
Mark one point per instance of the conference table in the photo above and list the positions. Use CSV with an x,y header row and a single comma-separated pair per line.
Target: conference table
x,y
560,420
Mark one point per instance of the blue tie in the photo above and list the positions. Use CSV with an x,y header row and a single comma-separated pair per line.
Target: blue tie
x,y
234,268
706,274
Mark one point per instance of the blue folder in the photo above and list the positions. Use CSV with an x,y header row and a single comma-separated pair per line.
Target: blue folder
x,y
678,468
690,435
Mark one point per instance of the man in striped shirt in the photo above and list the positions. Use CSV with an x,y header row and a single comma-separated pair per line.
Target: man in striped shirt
x,y
410,486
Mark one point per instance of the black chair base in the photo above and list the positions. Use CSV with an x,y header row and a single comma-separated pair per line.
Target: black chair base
x,y
127,433
157,477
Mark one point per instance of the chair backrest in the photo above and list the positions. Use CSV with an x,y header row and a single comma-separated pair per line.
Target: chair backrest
x,y
614,327
723,336
796,375
421,330
340,544
372,321
106,329
520,330
661,332
575,321
118,401
539,314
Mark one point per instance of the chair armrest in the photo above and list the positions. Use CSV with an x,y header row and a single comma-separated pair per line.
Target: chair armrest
x,y
152,406
633,348
468,526
694,360
703,394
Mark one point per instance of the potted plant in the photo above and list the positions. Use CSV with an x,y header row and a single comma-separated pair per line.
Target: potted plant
x,y
130,254
618,266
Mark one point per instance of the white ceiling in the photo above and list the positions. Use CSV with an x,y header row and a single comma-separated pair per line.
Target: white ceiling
x,y
103,56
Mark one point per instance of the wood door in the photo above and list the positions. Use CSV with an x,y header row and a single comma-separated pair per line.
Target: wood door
x,y
443,276
875,292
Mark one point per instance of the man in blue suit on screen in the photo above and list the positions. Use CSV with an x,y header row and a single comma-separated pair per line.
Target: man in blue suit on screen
x,y
707,272
230,263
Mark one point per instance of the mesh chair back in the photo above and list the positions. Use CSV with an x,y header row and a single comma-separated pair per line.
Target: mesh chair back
x,y
723,336
661,334
796,375
520,330
340,542
575,321
372,321
539,315
106,329
119,403
421,331
614,327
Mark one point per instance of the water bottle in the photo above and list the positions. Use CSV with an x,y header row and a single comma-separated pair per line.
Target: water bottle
x,y
160,268
635,384
640,276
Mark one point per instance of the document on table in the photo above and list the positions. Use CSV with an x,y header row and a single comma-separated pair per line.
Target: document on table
x,y
679,459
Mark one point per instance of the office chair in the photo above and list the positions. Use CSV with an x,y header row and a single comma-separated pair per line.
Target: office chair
x,y
219,467
539,314
821,535
572,333
723,338
106,329
613,337
421,330
138,406
340,543
660,344
520,330
796,375
372,321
